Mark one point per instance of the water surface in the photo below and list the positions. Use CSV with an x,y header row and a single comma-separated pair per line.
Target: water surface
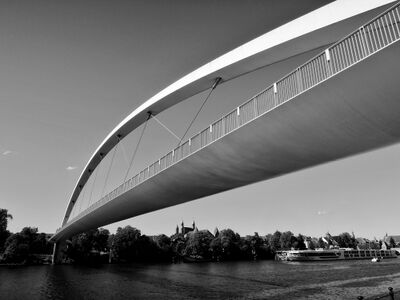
x,y
226,280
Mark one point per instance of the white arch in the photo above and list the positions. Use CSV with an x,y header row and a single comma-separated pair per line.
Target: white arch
x,y
315,29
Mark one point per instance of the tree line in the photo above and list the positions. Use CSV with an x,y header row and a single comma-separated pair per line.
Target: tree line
x,y
128,244
27,246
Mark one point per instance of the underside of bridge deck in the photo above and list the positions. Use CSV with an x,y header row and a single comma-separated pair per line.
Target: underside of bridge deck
x,y
356,110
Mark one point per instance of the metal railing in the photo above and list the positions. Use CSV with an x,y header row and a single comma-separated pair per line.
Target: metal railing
x,y
377,34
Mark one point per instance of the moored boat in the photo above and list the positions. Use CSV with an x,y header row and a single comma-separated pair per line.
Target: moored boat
x,y
333,254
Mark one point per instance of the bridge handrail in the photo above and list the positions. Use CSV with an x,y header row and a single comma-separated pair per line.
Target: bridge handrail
x,y
373,36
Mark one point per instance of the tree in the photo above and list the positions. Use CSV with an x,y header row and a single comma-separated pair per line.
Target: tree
x,y
198,244
164,247
19,247
265,251
4,233
374,244
227,245
274,241
178,247
299,243
392,243
251,247
216,248
79,247
29,234
255,244
287,240
345,240
100,240
40,245
4,217
230,243
125,243
89,246
145,249
246,249
16,250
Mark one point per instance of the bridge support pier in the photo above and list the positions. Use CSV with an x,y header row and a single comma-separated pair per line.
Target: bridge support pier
x,y
58,252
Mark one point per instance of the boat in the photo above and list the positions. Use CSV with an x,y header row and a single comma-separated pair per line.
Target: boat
x,y
333,254
375,259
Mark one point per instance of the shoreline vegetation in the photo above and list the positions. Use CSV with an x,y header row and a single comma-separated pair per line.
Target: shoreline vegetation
x,y
187,244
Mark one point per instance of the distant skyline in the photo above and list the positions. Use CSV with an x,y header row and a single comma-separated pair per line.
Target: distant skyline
x,y
73,70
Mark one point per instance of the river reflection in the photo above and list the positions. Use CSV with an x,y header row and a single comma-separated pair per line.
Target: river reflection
x,y
228,280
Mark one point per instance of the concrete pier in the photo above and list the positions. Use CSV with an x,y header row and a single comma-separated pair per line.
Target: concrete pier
x,y
58,252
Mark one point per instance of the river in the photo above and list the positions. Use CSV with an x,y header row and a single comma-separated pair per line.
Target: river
x,y
225,280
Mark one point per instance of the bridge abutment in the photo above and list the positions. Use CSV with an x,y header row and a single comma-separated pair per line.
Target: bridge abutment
x,y
59,252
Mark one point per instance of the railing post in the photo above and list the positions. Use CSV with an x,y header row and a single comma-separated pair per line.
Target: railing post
x,y
299,81
395,20
275,95
327,55
255,107
328,62
388,27
364,42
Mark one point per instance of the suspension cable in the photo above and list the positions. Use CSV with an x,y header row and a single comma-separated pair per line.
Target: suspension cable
x,y
137,147
82,199
124,153
216,82
94,183
169,130
109,169
73,210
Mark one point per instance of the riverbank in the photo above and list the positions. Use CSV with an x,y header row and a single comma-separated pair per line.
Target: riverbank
x,y
33,260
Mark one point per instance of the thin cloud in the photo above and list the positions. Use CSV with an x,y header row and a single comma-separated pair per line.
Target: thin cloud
x,y
7,152
70,168
321,212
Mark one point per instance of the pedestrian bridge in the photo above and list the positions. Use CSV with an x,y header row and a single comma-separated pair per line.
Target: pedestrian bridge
x,y
342,102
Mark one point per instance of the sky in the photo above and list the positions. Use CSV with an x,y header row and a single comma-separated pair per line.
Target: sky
x,y
72,70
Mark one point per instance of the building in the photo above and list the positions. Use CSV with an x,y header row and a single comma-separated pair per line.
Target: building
x,y
391,241
183,232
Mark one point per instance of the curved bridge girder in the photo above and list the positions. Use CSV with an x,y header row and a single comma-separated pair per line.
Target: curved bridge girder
x,y
285,41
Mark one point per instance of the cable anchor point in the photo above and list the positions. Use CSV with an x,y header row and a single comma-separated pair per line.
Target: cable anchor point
x,y
217,81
